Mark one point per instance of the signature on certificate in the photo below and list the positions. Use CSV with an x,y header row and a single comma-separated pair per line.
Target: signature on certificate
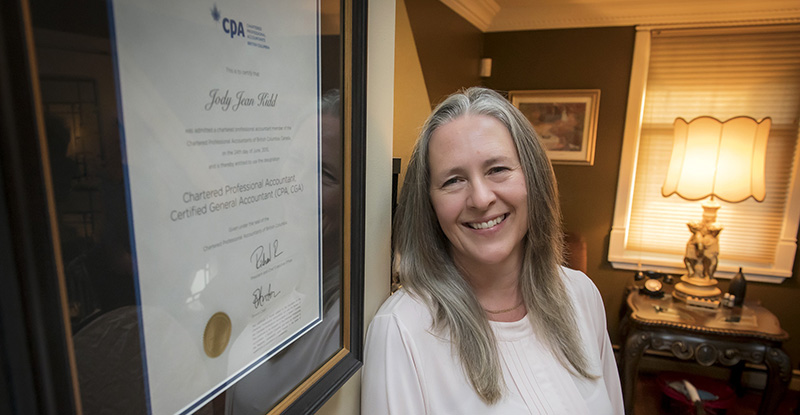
x,y
260,297
262,256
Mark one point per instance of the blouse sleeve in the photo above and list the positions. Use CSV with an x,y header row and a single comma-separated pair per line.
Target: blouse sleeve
x,y
390,382
608,362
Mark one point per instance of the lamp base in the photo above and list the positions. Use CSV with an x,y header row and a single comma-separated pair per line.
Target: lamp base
x,y
693,288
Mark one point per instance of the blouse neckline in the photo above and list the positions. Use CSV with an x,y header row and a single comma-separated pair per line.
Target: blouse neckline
x,y
511,330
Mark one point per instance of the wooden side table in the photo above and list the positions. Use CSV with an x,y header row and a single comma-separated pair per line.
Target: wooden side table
x,y
724,336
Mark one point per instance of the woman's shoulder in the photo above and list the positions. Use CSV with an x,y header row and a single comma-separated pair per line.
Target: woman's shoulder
x,y
405,307
579,284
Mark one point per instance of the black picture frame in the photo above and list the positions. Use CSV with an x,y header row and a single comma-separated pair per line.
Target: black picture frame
x,y
36,357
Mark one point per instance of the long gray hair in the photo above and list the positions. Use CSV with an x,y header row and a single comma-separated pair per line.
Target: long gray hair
x,y
427,270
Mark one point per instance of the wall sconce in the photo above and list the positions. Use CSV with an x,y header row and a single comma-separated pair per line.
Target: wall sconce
x,y
714,159
485,68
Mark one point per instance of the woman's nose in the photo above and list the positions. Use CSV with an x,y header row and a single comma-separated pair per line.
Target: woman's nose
x,y
481,194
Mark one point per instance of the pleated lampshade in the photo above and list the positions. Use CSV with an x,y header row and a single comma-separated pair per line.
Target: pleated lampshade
x,y
721,159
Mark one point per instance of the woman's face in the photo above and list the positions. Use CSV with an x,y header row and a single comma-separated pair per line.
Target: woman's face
x,y
478,191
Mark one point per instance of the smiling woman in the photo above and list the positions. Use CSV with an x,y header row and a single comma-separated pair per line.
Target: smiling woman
x,y
479,243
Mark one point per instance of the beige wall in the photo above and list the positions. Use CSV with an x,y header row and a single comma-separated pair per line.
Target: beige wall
x,y
449,47
380,73
411,102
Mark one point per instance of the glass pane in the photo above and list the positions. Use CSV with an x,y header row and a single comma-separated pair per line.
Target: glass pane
x,y
79,93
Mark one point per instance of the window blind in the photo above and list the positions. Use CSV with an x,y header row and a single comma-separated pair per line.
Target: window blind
x,y
723,73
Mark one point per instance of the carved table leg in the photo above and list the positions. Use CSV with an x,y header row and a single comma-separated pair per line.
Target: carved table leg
x,y
779,373
735,378
635,344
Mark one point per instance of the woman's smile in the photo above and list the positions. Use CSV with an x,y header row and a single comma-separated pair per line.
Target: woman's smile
x,y
487,224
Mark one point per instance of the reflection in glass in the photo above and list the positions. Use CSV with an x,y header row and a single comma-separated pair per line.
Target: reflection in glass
x,y
262,388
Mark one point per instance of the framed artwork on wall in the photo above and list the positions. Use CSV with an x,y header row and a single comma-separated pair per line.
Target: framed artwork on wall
x,y
564,120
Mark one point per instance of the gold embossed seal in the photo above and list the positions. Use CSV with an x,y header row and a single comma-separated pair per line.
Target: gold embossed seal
x,y
217,334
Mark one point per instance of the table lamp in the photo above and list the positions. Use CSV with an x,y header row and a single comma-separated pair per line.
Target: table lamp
x,y
713,159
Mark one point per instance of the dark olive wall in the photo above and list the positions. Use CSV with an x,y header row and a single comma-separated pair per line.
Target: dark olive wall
x,y
448,46
600,58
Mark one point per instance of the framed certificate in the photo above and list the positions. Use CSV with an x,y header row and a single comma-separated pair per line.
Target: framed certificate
x,y
203,166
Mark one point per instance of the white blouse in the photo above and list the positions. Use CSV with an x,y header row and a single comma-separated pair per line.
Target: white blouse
x,y
409,369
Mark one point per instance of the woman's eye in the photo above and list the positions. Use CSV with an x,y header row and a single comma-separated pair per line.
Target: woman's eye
x,y
450,181
498,169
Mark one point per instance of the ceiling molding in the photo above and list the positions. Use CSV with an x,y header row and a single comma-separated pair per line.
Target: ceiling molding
x,y
478,12
517,15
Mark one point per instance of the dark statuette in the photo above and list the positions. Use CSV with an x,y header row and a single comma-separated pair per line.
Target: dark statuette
x,y
738,287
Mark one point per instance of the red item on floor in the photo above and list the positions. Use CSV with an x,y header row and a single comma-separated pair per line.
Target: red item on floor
x,y
723,392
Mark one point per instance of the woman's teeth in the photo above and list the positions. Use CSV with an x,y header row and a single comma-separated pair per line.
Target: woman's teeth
x,y
489,224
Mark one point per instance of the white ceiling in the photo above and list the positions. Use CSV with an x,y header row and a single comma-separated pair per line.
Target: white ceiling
x,y
512,15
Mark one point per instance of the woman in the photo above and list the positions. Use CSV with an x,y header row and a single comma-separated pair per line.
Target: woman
x,y
488,321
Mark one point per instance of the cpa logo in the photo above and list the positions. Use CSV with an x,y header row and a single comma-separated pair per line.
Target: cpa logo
x,y
229,26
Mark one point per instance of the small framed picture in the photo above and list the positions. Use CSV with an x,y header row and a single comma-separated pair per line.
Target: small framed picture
x,y
565,121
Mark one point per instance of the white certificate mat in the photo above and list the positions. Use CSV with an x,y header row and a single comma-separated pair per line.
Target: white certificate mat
x,y
219,114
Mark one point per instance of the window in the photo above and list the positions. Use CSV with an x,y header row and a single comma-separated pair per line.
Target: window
x,y
721,72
